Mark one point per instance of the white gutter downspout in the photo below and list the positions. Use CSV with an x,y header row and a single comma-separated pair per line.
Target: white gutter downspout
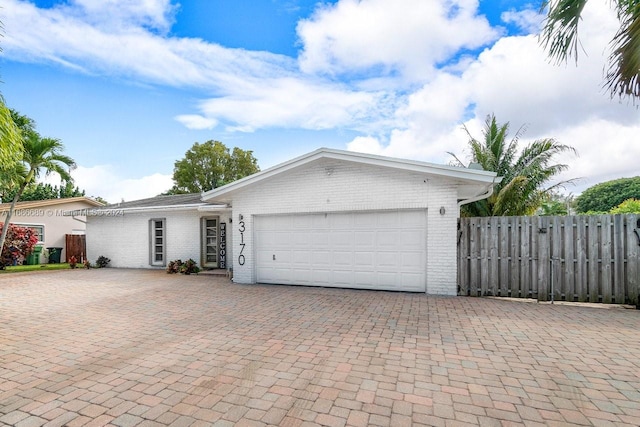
x,y
78,219
480,196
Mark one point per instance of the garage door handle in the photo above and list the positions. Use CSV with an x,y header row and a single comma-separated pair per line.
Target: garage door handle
x,y
274,257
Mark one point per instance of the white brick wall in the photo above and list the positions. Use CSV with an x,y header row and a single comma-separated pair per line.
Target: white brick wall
x,y
333,186
125,239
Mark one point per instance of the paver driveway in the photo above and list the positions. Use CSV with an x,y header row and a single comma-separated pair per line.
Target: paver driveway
x,y
143,348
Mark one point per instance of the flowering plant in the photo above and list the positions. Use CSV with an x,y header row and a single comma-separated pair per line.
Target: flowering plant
x,y
18,245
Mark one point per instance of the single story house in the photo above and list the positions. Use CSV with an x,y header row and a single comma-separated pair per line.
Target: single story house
x,y
328,218
53,219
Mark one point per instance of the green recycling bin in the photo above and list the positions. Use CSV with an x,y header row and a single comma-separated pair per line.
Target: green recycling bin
x,y
54,255
34,257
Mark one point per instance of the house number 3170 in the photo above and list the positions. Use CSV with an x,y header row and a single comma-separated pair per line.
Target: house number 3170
x,y
241,229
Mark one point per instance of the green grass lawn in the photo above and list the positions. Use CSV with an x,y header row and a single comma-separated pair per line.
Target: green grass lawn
x,y
40,267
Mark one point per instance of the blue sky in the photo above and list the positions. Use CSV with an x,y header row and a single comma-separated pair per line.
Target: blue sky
x,y
130,86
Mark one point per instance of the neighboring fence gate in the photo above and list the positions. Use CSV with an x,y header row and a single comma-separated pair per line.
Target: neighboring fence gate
x,y
76,245
586,258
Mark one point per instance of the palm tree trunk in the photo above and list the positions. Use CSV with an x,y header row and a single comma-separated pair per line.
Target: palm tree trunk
x,y
5,227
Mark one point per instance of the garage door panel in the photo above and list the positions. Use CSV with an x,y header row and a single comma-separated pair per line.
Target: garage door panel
x,y
341,222
411,240
364,239
368,220
301,222
302,257
364,279
321,258
343,277
388,240
369,250
415,260
342,258
387,220
319,239
322,277
300,240
363,260
341,238
413,219
411,281
387,260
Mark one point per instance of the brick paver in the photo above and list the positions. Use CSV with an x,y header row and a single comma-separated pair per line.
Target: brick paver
x,y
143,348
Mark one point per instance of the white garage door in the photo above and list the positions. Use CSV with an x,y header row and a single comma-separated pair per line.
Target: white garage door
x,y
367,250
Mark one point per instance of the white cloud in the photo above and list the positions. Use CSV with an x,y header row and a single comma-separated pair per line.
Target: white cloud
x,y
294,103
528,20
404,36
65,36
404,73
106,181
195,121
515,80
153,14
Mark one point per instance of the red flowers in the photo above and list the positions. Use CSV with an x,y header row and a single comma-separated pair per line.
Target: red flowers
x,y
18,245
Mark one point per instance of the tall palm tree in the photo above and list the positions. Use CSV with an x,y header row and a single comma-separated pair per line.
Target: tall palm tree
x,y
524,173
560,38
39,155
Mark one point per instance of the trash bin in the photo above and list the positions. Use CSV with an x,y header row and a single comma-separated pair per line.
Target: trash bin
x,y
54,255
34,257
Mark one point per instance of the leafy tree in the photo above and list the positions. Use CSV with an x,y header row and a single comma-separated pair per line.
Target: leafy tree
x,y
41,191
629,206
552,208
210,165
39,154
556,204
524,174
560,38
607,195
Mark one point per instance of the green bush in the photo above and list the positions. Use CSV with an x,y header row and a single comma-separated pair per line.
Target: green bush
x,y
102,261
187,267
629,206
607,195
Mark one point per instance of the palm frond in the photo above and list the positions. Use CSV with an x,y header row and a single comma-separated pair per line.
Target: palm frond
x,y
560,33
623,75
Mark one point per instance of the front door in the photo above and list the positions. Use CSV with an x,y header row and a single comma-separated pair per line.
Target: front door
x,y
209,233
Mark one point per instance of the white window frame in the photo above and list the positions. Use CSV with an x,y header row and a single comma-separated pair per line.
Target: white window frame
x,y
34,227
154,245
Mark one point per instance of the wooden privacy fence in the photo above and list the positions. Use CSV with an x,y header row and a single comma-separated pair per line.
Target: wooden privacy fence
x,y
587,258
76,245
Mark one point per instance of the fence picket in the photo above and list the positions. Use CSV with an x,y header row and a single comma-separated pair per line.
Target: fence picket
x,y
590,258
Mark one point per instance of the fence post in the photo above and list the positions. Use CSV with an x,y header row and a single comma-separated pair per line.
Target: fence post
x,y
543,258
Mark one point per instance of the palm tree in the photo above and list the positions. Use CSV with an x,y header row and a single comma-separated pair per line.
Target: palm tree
x,y
560,38
10,146
524,173
40,154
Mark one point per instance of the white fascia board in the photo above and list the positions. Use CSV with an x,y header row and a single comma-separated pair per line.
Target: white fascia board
x,y
152,208
214,208
459,173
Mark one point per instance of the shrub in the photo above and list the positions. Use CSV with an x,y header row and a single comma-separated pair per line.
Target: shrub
x,y
187,267
87,264
18,245
102,261
190,266
607,195
73,262
174,266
